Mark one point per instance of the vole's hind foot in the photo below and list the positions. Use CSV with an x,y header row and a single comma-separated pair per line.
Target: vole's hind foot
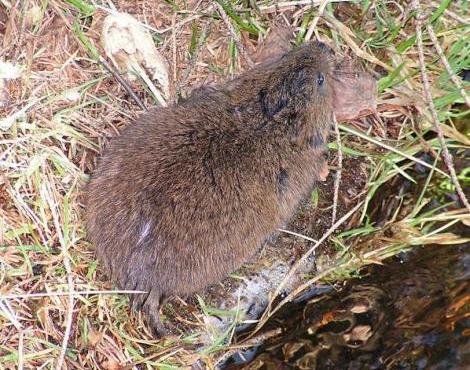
x,y
156,325
151,305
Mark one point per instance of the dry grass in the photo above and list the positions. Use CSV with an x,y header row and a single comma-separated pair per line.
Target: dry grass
x,y
55,118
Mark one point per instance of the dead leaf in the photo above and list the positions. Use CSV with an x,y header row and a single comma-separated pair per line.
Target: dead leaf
x,y
10,27
275,44
3,19
360,333
8,71
360,308
112,365
33,15
327,318
131,48
94,337
290,349
355,91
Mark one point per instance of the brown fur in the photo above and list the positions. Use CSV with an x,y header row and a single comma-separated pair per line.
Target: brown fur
x,y
188,193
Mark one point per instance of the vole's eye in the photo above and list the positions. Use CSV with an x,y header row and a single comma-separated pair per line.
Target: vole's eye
x,y
320,79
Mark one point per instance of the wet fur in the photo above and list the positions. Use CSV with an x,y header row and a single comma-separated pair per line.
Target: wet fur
x,y
188,193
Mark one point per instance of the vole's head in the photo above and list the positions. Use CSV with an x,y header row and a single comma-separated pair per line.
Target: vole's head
x,y
300,81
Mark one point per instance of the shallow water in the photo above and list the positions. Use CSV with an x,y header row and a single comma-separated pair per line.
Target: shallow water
x,y
411,313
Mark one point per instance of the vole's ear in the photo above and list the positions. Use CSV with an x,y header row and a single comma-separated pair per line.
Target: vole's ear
x,y
286,95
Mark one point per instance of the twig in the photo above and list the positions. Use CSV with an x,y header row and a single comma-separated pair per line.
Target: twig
x,y
6,4
194,58
299,235
10,314
452,15
74,293
123,82
70,283
350,39
289,4
20,350
313,25
103,61
173,54
269,312
21,31
207,11
391,148
427,95
308,284
233,33
252,342
160,356
444,61
338,172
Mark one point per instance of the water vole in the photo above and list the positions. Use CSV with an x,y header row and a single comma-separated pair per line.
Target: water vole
x,y
186,194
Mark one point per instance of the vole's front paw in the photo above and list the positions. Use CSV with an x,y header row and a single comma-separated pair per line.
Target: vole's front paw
x,y
324,171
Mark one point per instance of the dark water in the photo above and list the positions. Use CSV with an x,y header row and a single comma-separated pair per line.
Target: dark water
x,y
412,313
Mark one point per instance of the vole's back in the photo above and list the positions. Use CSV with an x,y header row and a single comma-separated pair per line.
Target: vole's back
x,y
188,193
